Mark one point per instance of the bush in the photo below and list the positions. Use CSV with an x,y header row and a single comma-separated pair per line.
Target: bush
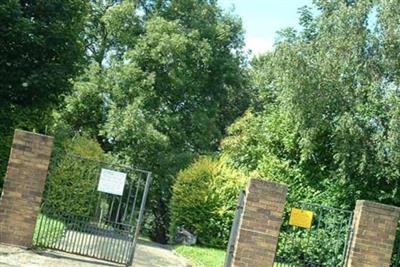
x,y
204,200
72,181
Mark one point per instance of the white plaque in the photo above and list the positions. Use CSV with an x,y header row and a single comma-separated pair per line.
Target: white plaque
x,y
112,182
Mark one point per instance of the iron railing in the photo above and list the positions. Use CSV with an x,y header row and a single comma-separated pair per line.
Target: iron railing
x,y
234,230
324,244
3,170
396,249
80,235
102,226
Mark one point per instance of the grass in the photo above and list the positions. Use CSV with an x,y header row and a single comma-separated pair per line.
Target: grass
x,y
202,256
47,230
207,257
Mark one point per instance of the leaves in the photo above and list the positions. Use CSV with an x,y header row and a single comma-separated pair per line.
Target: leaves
x,y
161,87
204,200
325,104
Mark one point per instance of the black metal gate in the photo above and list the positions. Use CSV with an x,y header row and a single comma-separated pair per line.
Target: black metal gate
x,y
78,218
324,244
234,230
396,249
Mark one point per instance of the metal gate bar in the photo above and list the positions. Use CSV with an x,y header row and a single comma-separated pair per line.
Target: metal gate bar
x,y
80,237
324,244
109,234
140,219
234,230
396,249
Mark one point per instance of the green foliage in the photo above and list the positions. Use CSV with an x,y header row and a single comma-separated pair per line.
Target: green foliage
x,y
324,116
83,108
310,247
72,180
110,27
324,243
161,88
41,49
324,119
204,200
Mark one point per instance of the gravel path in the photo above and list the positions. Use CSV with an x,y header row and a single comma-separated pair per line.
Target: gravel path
x,y
148,254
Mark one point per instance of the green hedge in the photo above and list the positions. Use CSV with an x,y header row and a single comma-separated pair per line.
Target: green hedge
x,y
204,200
72,181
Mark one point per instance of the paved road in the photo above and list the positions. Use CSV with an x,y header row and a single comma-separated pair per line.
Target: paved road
x,y
104,245
148,254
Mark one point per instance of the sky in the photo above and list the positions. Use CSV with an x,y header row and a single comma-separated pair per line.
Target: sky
x,y
263,18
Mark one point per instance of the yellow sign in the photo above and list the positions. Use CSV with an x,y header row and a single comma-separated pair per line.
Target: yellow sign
x,y
301,218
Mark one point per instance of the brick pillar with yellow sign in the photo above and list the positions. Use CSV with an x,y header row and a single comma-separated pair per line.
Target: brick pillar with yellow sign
x,y
374,232
260,224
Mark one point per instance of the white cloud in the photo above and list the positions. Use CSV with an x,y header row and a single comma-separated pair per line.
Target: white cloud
x,y
258,45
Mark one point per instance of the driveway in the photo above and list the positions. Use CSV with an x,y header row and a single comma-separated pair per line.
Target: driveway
x,y
148,254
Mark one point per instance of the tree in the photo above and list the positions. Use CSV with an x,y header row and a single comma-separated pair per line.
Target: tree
x,y
325,117
166,94
179,115
41,50
110,29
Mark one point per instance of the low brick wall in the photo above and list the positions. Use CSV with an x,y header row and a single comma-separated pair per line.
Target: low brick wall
x,y
374,227
260,224
23,187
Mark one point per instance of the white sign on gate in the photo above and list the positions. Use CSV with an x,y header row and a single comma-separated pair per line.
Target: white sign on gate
x,y
112,182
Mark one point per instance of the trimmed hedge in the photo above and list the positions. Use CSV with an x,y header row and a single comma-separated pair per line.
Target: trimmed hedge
x,y
71,184
204,200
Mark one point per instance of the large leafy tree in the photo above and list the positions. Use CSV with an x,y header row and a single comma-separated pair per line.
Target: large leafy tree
x,y
326,115
111,29
164,90
41,49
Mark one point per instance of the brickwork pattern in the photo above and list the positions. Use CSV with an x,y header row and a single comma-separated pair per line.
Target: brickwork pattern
x,y
23,187
260,224
374,227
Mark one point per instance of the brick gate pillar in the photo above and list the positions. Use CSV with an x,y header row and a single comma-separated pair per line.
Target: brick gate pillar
x,y
374,227
260,224
23,187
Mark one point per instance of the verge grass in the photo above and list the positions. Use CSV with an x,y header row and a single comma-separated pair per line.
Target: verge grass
x,y
207,257
50,230
202,256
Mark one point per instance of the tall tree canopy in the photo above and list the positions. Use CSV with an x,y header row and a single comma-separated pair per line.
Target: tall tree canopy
x,y
166,79
163,79
326,116
40,50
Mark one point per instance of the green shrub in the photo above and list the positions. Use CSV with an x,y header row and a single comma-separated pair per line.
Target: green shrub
x,y
204,200
71,184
